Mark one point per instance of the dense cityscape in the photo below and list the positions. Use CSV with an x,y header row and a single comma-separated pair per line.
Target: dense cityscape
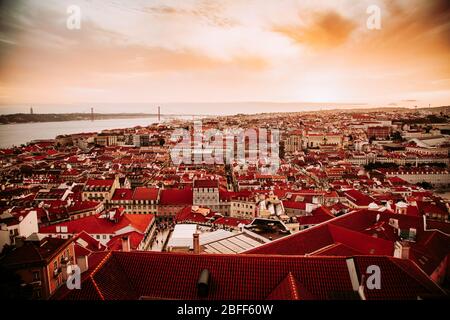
x,y
352,194
242,159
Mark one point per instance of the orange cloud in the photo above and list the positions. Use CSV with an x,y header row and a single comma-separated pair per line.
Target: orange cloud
x,y
210,12
326,30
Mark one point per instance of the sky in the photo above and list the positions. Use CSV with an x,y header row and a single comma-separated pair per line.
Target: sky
x,y
171,52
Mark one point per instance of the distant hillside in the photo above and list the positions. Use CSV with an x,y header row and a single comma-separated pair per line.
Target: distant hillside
x,y
434,110
444,109
57,117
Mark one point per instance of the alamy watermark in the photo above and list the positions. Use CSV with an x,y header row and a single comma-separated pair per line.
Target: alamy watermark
x,y
374,279
214,147
74,278
73,21
374,20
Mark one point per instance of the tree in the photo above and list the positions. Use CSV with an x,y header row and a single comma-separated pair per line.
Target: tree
x,y
396,136
425,185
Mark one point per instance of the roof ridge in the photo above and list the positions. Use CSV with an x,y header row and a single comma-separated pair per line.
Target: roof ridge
x,y
91,276
335,244
399,263
293,285
113,253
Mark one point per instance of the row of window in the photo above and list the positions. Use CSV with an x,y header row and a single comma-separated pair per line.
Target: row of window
x,y
206,190
206,198
147,202
244,206
104,237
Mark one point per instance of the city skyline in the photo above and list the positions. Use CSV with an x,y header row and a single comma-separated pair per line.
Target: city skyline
x,y
216,157
174,52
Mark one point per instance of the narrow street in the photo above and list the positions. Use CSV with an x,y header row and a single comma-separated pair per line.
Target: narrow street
x,y
160,240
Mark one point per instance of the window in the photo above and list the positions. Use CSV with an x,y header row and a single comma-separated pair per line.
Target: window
x,y
97,236
55,265
36,275
104,236
37,293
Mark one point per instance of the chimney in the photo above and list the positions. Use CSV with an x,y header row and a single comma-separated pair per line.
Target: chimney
x,y
125,244
203,283
196,243
401,250
19,241
82,262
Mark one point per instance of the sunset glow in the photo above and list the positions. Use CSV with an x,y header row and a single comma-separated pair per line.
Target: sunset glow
x,y
223,51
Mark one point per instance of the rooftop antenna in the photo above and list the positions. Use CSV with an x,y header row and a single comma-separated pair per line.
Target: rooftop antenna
x,y
31,110
159,114
92,114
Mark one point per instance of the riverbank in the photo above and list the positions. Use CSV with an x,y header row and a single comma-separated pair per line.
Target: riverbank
x,y
19,118
21,133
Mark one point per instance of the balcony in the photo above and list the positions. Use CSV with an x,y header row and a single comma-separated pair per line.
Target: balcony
x,y
56,272
66,260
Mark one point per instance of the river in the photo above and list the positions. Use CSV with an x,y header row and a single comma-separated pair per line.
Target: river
x,y
17,134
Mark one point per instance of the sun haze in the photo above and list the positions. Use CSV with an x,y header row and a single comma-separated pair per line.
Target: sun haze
x,y
225,51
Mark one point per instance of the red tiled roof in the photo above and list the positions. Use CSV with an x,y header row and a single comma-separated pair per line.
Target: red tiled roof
x,y
337,250
206,183
244,277
230,221
87,243
135,239
97,225
100,182
358,198
81,206
432,208
311,240
363,243
88,287
356,230
294,205
290,289
176,197
188,215
430,250
123,194
402,278
313,219
32,252
439,225
144,193
397,181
